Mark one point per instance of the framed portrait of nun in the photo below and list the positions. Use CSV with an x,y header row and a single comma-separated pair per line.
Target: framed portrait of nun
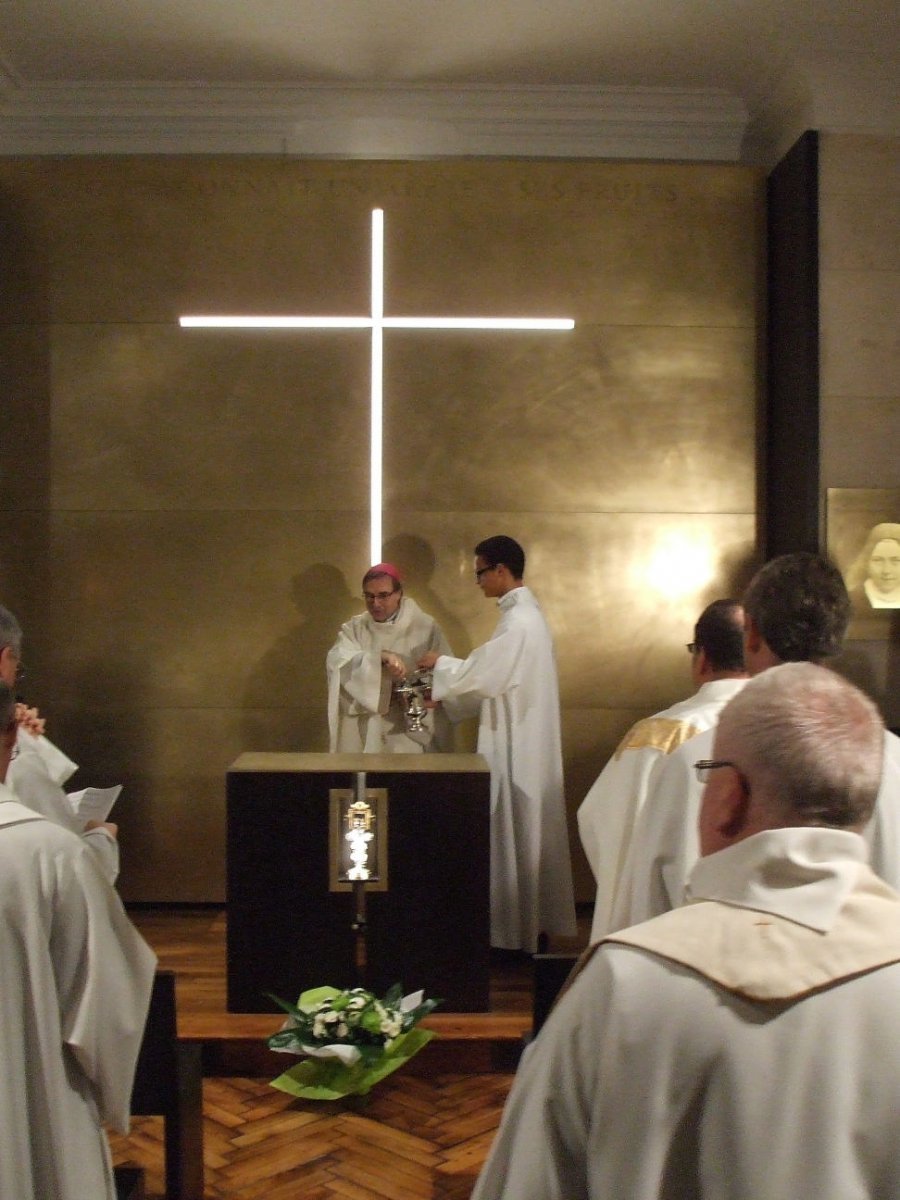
x,y
863,527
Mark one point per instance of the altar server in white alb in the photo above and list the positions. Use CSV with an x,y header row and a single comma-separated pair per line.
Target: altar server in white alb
x,y
796,609
607,815
39,769
76,982
744,1046
375,651
511,681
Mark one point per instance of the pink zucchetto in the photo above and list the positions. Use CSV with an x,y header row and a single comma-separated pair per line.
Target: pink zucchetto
x,y
383,569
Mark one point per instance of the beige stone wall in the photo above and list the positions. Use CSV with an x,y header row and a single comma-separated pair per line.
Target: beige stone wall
x,y
184,513
859,190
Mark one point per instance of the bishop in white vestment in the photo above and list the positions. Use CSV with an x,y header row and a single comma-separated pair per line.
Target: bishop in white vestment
x,y
744,1046
374,650
511,681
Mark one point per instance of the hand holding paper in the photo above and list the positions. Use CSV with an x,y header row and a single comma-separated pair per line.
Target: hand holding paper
x,y
94,804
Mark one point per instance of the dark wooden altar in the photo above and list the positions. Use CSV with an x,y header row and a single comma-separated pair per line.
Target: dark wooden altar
x,y
288,930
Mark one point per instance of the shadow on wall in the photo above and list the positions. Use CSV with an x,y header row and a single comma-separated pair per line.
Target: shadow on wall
x,y
415,558
285,700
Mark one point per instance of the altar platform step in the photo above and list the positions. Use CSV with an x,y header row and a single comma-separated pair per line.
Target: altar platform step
x,y
235,1043
191,942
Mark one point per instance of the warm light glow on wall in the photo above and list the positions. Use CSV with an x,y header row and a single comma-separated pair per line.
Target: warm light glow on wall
x,y
680,566
378,322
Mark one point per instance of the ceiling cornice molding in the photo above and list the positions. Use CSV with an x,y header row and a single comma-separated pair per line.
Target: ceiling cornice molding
x,y
373,121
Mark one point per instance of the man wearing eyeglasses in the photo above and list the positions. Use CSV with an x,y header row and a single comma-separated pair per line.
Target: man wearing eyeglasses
x,y
607,815
511,683
39,769
796,609
374,651
743,1046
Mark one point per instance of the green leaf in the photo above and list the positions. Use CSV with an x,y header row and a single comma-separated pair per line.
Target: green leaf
x,y
416,1014
393,996
370,1020
328,1079
316,995
291,1009
286,1039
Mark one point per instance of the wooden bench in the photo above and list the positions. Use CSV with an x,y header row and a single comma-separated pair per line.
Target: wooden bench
x,y
169,1082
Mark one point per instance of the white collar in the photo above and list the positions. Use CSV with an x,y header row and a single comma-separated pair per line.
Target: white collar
x,y
803,874
513,596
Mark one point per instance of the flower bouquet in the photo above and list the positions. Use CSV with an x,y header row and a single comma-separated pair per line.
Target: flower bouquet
x,y
349,1039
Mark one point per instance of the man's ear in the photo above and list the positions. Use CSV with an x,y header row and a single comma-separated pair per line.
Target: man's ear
x,y
723,814
753,639
700,665
734,810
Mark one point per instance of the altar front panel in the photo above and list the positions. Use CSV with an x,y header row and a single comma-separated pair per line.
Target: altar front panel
x,y
288,931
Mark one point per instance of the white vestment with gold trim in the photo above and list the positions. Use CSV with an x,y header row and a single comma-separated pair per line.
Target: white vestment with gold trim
x,y
608,812
665,843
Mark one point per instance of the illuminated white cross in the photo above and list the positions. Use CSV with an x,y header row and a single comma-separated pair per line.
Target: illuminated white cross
x,y
377,322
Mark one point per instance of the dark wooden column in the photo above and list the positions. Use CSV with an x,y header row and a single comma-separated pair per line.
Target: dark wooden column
x,y
790,454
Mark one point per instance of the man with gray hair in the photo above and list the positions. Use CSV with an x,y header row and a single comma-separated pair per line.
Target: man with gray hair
x,y
39,769
796,609
76,987
744,1045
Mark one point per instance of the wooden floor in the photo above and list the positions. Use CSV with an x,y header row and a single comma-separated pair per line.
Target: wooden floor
x,y
191,942
418,1138
422,1135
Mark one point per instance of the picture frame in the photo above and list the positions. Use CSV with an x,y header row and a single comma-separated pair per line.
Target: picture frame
x,y
863,540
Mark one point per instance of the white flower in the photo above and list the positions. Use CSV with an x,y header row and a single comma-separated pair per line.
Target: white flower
x,y
391,1026
360,1020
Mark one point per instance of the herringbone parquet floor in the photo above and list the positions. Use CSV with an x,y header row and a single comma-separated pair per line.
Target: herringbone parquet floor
x,y
423,1135
415,1139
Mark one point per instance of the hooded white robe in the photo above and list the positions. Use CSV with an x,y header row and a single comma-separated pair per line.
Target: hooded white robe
x,y
608,812
743,1047
512,681
76,982
364,715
